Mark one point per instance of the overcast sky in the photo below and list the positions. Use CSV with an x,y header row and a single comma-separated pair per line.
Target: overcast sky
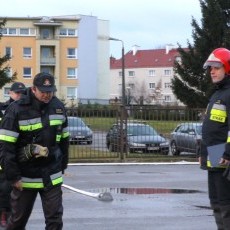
x,y
147,23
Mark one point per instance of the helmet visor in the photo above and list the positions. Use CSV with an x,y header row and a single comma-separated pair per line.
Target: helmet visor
x,y
213,64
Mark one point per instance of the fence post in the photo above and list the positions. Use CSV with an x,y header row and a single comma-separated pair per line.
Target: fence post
x,y
123,134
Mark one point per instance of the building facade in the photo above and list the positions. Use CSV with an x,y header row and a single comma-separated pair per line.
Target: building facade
x,y
62,46
148,75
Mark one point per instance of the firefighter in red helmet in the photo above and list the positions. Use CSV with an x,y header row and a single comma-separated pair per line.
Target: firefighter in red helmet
x,y
216,134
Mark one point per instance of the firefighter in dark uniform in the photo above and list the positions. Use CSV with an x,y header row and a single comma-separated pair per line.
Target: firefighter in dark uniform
x,y
35,143
216,130
15,92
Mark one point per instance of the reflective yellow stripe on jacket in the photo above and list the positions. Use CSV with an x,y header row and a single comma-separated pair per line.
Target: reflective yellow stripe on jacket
x,y
8,136
218,113
37,183
30,124
59,120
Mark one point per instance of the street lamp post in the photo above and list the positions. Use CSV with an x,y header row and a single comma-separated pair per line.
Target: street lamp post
x,y
123,123
122,70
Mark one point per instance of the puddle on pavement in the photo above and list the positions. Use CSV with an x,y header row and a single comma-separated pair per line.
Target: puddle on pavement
x,y
142,191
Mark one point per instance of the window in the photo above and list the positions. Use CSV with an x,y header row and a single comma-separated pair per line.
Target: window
x,y
71,53
68,32
168,98
167,72
24,31
71,32
47,69
151,72
27,73
71,92
152,85
167,85
46,33
6,92
63,32
3,31
8,51
120,73
27,52
12,31
131,73
72,73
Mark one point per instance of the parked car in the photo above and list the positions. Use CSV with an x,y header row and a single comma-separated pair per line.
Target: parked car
x,y
79,131
186,137
139,137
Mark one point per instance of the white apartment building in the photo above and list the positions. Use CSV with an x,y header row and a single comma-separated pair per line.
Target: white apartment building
x,y
148,75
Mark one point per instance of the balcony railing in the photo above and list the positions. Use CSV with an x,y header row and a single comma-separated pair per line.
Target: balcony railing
x,y
48,61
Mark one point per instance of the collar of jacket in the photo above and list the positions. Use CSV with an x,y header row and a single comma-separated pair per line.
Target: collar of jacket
x,y
29,98
223,84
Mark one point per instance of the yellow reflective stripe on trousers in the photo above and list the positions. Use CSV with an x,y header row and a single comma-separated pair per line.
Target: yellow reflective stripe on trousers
x,y
37,183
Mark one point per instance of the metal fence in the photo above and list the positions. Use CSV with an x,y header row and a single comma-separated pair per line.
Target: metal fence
x,y
100,121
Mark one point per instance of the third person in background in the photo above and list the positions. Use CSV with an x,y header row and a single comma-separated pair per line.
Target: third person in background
x,y
15,92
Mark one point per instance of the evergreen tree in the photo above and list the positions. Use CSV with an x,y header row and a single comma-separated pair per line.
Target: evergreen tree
x,y
4,67
191,83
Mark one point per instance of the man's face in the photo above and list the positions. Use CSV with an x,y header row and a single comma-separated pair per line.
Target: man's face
x,y
15,95
42,96
217,74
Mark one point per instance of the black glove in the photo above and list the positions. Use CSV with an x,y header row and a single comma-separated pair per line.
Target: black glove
x,y
32,151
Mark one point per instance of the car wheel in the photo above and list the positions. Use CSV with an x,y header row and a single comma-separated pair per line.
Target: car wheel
x,y
89,142
165,153
174,149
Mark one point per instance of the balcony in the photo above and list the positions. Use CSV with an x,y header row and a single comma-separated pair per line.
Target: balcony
x,y
48,61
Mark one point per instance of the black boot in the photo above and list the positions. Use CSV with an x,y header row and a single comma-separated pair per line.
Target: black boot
x,y
218,217
225,213
3,219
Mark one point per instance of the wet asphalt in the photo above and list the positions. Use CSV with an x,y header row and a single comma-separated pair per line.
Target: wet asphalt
x,y
145,197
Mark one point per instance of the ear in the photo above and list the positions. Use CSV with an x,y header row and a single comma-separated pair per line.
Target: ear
x,y
33,88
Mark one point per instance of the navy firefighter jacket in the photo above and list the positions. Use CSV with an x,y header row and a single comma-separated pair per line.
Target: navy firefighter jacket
x,y
29,121
216,124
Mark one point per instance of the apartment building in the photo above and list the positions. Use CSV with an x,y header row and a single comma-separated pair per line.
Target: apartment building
x,y
148,75
65,46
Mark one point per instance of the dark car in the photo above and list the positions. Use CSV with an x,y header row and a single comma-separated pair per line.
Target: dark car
x,y
139,137
186,137
79,131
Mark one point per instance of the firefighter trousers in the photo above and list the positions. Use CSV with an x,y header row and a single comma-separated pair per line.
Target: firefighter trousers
x,y
5,189
219,196
22,203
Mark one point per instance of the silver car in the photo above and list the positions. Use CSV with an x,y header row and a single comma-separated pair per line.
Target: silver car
x,y
79,131
186,137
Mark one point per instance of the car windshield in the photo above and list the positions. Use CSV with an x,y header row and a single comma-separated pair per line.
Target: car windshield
x,y
141,130
75,122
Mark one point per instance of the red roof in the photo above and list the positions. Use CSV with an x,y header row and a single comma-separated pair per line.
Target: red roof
x,y
146,59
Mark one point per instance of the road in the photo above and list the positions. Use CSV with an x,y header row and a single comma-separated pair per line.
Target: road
x,y
146,196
